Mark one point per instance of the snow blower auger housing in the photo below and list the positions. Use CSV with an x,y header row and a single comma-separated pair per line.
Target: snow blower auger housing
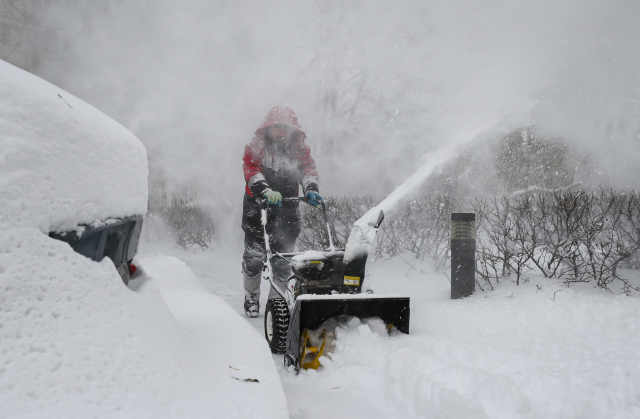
x,y
323,285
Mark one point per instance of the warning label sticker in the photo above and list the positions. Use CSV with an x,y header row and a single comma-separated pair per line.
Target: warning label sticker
x,y
352,280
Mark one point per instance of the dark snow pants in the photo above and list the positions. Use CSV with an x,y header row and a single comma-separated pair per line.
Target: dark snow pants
x,y
283,227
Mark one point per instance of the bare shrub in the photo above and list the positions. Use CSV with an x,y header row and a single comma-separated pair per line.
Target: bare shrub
x,y
420,227
189,226
576,236
629,230
342,212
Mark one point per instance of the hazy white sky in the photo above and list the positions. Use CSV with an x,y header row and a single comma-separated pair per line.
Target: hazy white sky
x,y
376,83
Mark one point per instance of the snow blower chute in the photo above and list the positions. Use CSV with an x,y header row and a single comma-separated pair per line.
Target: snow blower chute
x,y
324,285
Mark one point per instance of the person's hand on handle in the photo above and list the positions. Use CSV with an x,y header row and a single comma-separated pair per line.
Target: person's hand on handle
x,y
314,198
273,197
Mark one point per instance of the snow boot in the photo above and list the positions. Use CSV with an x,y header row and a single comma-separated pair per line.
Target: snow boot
x,y
251,306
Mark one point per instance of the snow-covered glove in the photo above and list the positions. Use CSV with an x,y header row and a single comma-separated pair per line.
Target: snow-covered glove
x,y
314,198
273,197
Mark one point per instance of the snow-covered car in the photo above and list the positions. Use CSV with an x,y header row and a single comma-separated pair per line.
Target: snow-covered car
x,y
75,342
69,170
116,239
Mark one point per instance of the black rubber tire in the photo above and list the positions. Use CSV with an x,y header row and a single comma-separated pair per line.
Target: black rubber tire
x,y
276,324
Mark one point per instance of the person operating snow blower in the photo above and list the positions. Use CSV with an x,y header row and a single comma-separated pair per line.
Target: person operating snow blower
x,y
276,162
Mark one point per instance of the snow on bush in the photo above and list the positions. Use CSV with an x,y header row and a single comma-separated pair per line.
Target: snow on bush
x,y
62,162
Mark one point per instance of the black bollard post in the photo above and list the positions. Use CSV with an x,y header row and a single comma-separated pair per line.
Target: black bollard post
x,y
463,254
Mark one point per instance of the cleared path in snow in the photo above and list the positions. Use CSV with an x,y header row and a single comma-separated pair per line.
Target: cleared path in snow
x,y
230,347
221,275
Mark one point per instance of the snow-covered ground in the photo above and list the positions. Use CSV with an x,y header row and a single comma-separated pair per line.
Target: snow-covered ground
x,y
538,350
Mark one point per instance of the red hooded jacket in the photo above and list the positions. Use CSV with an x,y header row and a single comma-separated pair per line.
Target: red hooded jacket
x,y
280,167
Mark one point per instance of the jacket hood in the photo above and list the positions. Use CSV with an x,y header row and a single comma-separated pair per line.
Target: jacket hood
x,y
279,115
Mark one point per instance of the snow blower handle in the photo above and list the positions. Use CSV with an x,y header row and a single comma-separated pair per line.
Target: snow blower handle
x,y
267,271
263,205
324,215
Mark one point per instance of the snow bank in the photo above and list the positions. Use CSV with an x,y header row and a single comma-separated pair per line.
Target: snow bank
x,y
62,162
236,353
511,353
74,342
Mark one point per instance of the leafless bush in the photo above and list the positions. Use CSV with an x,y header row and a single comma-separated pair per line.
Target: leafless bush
x,y
424,228
186,225
629,230
420,227
576,236
342,212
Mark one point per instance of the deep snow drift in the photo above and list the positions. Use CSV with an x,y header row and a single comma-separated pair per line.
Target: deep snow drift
x,y
75,342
